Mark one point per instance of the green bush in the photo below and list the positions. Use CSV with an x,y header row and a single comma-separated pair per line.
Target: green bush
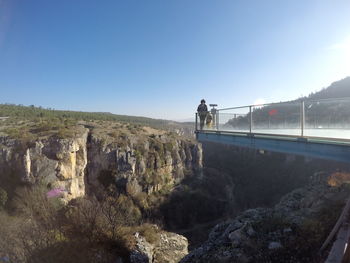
x,y
169,146
138,155
114,134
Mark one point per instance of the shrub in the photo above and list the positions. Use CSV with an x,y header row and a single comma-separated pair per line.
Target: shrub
x,y
138,155
64,133
150,232
141,201
114,134
169,146
156,145
20,133
3,198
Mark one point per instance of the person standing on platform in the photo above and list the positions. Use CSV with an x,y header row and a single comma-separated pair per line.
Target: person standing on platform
x,y
202,113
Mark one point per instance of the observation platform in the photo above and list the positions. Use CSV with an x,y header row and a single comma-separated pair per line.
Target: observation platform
x,y
317,129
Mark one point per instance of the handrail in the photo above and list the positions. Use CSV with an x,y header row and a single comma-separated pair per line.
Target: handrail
x,y
285,103
340,245
337,225
296,116
292,117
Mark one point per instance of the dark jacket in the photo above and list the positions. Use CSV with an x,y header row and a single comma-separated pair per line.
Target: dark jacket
x,y
202,108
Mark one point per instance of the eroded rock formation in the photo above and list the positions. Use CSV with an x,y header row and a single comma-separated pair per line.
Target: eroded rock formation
x,y
169,247
141,163
292,231
59,163
92,160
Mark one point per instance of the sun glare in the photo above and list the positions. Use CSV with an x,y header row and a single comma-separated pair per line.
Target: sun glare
x,y
343,47
259,101
339,61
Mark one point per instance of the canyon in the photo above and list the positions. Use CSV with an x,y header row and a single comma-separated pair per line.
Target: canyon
x,y
183,201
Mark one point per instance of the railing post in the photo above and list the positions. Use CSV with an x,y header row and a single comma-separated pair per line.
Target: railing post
x,y
196,122
217,120
302,117
250,119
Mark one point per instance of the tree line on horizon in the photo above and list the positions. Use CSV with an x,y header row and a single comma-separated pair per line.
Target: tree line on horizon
x,y
33,113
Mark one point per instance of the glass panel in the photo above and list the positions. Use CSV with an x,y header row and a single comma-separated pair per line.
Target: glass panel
x,y
323,118
328,118
236,119
205,121
277,118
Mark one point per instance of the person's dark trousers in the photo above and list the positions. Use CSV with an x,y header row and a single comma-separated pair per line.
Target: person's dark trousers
x,y
202,116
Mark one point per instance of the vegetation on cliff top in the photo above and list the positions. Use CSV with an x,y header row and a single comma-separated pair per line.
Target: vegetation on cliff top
x,y
35,113
29,123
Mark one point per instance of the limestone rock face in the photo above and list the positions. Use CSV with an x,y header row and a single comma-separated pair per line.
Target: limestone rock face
x,y
170,248
143,252
60,163
91,161
136,165
268,229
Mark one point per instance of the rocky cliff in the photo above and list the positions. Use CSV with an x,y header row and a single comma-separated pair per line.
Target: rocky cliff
x,y
124,163
292,231
169,248
59,163
143,162
139,160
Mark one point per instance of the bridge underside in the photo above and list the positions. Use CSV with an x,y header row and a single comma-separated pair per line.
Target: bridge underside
x,y
309,147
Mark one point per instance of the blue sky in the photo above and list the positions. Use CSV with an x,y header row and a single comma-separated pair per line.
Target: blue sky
x,y
159,58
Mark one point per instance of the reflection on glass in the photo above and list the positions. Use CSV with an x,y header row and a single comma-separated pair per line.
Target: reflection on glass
x,y
323,118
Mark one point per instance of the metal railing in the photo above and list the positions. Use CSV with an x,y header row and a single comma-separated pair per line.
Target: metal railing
x,y
326,118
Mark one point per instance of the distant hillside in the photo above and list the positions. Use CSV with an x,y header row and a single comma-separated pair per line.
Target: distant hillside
x,y
36,113
338,89
318,113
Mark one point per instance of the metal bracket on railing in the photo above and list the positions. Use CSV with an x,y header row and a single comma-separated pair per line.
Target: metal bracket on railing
x,y
213,114
302,117
217,119
250,119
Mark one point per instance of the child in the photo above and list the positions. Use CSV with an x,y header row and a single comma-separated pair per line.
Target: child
x,y
209,120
